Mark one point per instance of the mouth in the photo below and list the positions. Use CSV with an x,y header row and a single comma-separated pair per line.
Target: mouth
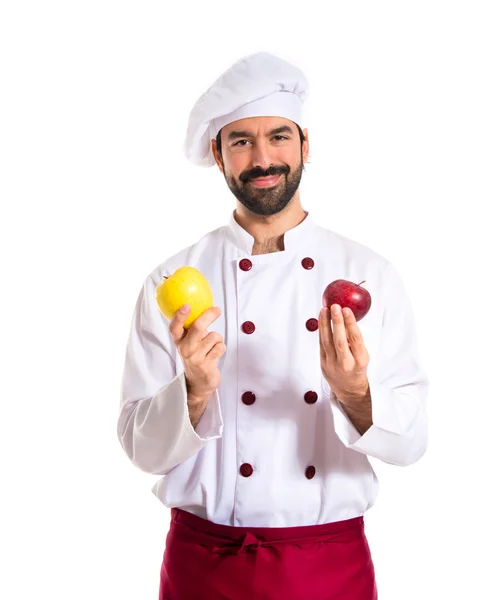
x,y
263,182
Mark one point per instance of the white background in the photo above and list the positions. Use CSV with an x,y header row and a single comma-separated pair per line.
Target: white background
x,y
406,126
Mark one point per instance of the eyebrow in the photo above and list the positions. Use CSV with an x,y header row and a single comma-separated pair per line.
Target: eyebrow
x,y
233,135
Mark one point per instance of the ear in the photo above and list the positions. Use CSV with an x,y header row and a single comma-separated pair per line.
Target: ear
x,y
306,146
217,156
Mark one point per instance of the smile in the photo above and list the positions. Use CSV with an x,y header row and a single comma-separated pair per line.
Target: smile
x,y
263,182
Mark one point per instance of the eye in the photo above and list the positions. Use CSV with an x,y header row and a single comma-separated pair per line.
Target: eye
x,y
239,142
281,137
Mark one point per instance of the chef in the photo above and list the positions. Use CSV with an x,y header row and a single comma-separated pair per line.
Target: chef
x,y
260,418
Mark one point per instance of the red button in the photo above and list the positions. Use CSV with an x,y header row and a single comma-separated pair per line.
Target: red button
x,y
245,264
311,397
248,327
308,263
248,398
312,324
246,470
310,472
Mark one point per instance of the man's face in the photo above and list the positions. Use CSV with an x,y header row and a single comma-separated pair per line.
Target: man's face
x,y
262,161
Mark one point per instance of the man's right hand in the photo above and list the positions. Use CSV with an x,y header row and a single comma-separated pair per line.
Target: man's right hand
x,y
200,352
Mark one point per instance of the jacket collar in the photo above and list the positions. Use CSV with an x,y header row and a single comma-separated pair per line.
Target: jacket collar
x,y
294,239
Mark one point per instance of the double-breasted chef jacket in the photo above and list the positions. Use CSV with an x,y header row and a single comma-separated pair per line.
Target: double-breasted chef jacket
x,y
274,447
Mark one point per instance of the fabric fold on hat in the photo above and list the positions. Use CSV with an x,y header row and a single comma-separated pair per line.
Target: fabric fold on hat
x,y
258,85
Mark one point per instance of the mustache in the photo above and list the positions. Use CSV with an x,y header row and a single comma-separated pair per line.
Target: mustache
x,y
258,172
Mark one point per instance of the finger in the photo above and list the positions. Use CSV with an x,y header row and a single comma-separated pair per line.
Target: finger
x,y
217,351
355,339
177,325
198,330
339,333
321,345
180,333
206,345
326,344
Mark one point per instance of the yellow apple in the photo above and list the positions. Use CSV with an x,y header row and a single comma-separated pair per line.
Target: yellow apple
x,y
186,285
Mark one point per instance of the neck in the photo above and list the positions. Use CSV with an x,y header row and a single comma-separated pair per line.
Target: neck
x,y
268,230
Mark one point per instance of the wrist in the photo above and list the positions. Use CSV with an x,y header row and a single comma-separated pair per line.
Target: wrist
x,y
197,400
196,406
355,396
192,396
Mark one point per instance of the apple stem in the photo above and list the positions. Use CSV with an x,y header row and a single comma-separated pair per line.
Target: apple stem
x,y
362,282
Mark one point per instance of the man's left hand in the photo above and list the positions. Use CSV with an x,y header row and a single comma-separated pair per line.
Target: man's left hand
x,y
343,356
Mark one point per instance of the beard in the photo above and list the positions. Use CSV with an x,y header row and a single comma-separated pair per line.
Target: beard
x,y
270,200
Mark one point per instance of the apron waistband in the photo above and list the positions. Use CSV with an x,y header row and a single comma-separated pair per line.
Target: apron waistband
x,y
226,539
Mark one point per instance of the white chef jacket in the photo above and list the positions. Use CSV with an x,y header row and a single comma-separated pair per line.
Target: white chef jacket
x,y
305,462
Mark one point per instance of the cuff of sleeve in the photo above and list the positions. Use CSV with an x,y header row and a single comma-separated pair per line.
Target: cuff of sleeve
x,y
343,427
210,426
383,416
386,417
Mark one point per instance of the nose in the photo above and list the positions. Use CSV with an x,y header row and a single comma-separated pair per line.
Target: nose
x,y
260,155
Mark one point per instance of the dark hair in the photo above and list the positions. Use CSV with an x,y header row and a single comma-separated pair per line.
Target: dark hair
x,y
218,139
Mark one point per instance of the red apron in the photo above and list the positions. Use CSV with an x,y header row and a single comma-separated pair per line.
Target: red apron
x,y
207,561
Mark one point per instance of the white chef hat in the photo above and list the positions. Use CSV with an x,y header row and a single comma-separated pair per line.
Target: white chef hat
x,y
258,85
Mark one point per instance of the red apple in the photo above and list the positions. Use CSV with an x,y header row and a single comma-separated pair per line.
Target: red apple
x,y
348,294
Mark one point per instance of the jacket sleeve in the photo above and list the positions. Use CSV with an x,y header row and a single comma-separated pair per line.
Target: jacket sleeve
x,y
399,387
154,426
